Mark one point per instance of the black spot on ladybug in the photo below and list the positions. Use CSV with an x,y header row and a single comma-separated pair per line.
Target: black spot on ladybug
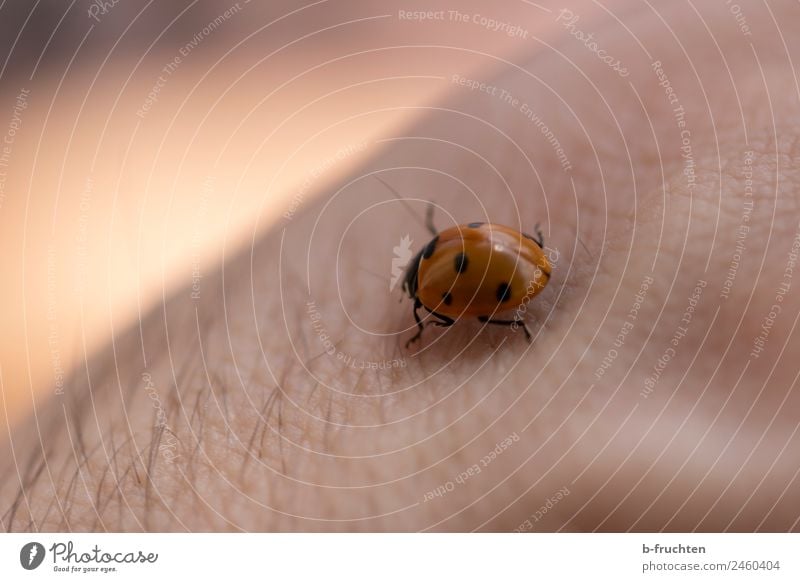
x,y
447,299
503,292
461,262
430,247
475,224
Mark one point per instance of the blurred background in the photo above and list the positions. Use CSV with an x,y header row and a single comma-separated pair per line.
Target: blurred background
x,y
143,142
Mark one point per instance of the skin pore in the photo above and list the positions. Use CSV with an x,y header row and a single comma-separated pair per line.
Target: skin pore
x,y
280,396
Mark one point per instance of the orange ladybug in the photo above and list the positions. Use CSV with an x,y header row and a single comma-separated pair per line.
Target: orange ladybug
x,y
479,269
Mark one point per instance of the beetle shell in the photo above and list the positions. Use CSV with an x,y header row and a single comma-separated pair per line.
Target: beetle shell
x,y
479,269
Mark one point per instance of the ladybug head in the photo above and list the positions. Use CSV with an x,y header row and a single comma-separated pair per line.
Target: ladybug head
x,y
410,277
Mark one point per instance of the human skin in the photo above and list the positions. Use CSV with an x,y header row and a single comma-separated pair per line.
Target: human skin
x,y
258,428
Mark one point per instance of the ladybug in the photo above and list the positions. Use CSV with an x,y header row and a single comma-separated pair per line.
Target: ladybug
x,y
479,269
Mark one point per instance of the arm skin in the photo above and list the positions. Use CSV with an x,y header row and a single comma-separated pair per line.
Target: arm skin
x,y
258,428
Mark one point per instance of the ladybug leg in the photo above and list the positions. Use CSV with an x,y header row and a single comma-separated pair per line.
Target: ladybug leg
x,y
417,305
444,321
508,323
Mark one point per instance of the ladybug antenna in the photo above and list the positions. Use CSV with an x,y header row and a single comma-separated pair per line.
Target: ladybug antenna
x,y
429,218
428,223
